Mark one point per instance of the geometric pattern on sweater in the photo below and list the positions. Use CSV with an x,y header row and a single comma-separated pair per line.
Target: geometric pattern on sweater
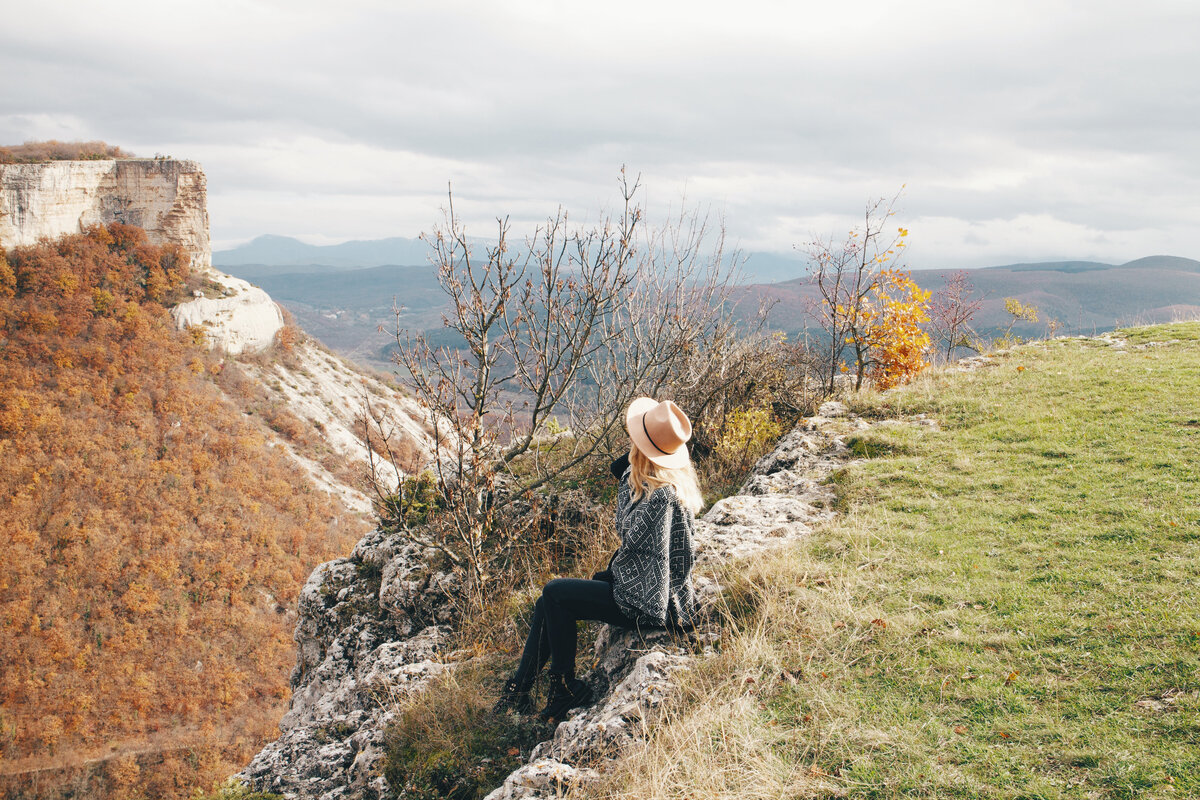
x,y
652,569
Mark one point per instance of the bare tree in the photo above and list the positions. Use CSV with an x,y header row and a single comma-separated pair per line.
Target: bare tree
x,y
950,317
569,327
845,274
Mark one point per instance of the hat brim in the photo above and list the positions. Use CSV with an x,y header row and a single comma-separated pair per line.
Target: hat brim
x,y
637,432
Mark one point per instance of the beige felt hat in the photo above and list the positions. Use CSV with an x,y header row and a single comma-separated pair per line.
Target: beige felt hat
x,y
659,430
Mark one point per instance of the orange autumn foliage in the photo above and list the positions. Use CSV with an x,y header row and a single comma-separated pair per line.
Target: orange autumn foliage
x,y
53,150
154,546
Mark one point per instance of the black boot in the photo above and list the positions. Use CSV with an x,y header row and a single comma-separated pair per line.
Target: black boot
x,y
514,698
565,694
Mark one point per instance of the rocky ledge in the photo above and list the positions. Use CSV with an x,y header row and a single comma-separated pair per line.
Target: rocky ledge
x,y
243,318
786,493
373,628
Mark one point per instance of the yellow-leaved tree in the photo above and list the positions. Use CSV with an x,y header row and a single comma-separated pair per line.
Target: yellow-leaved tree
x,y
899,346
889,344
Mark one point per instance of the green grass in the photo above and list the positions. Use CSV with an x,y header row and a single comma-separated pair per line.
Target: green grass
x,y
984,619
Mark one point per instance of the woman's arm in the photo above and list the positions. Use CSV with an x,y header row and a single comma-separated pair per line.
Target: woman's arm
x,y
619,466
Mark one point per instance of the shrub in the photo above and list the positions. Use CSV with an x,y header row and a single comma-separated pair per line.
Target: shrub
x,y
899,345
1018,312
410,504
748,434
53,150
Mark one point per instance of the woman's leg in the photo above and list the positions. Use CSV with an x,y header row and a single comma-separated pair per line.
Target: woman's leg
x,y
564,602
537,649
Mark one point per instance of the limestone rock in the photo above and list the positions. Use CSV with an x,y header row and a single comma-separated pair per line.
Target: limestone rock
x,y
591,734
832,408
167,198
243,319
544,777
355,659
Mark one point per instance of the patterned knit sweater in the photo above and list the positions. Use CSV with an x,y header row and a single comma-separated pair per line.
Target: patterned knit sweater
x,y
652,569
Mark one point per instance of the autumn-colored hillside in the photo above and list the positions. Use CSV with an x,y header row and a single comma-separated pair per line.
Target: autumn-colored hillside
x,y
154,545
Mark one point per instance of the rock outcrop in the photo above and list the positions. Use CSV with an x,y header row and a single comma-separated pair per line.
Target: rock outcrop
x,y
167,198
242,318
372,629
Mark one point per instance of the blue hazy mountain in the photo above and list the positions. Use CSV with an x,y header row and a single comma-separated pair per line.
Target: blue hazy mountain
x,y
343,293
279,251
265,255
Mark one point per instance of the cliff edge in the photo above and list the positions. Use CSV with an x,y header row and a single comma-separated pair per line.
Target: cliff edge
x,y
375,627
166,198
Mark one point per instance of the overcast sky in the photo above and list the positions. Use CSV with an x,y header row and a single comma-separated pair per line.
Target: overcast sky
x,y
1020,131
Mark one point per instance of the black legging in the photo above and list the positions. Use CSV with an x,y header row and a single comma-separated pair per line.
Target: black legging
x,y
564,601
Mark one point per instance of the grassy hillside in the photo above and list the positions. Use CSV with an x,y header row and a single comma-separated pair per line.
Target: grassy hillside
x,y
1008,606
154,544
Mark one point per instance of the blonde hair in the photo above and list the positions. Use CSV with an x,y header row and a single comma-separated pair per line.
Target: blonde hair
x,y
645,476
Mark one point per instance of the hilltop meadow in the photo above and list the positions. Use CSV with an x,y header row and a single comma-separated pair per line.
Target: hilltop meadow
x,y
1005,608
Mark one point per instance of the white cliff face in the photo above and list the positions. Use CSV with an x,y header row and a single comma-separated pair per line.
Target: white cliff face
x,y
165,197
243,319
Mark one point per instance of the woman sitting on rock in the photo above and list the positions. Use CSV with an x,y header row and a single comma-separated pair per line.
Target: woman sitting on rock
x,y
648,580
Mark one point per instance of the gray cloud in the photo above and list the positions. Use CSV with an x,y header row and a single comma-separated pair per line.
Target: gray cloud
x,y
1071,125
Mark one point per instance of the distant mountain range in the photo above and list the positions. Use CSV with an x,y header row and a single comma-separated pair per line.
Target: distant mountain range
x,y
1079,296
269,254
279,255
343,293
277,251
